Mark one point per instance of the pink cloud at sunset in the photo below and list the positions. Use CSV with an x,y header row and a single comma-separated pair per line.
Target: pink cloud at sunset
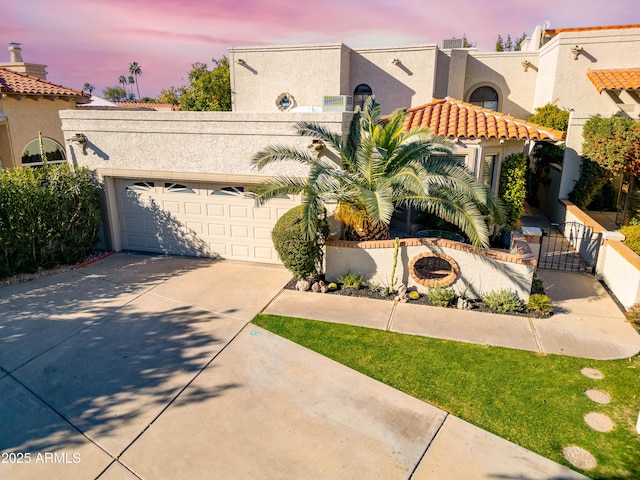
x,y
96,41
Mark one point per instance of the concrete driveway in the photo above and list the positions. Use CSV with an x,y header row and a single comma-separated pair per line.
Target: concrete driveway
x,y
145,367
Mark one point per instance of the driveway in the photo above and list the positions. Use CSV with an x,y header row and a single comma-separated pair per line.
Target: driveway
x,y
146,367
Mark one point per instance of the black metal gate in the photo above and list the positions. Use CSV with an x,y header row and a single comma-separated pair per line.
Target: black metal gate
x,y
570,246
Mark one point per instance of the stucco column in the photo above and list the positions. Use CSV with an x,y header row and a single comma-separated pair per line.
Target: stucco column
x,y
572,161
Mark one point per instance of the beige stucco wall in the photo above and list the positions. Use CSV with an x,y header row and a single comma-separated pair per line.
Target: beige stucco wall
x,y
563,78
307,72
407,84
188,142
25,118
504,72
619,268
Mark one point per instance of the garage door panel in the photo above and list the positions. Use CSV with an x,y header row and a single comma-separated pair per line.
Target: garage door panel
x,y
215,210
186,219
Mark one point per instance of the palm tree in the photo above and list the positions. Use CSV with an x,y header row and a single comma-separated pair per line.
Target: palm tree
x,y
380,167
132,81
88,87
135,70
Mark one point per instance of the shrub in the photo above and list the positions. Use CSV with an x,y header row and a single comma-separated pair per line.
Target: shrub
x,y
350,280
503,301
48,216
513,186
537,285
302,257
441,296
550,115
632,237
633,314
540,303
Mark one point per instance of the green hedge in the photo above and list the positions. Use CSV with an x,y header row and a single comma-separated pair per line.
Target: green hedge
x,y
513,186
48,216
632,237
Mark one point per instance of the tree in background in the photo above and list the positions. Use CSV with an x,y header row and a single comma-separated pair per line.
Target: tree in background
x,y
551,116
170,95
123,81
208,90
88,88
509,45
136,71
115,94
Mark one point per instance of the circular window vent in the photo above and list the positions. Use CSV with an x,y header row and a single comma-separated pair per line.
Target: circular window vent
x,y
433,270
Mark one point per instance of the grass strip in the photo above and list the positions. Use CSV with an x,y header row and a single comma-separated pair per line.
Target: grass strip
x,y
536,401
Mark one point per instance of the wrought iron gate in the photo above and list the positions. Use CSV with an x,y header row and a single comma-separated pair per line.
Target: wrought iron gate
x,y
570,246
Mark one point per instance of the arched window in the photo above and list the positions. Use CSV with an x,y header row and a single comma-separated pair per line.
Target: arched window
x,y
53,150
360,94
485,97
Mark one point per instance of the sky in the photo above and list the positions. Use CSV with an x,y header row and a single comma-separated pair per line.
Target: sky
x,y
95,41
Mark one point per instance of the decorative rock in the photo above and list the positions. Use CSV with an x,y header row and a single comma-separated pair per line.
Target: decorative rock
x,y
460,303
579,457
303,285
315,287
598,396
402,290
599,422
592,373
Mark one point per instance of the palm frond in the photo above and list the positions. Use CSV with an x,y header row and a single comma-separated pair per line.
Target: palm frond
x,y
278,153
276,187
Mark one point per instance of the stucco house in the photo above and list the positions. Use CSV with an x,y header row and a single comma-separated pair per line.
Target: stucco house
x,y
176,182
30,104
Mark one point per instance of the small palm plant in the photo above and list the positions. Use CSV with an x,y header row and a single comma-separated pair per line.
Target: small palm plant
x,y
381,166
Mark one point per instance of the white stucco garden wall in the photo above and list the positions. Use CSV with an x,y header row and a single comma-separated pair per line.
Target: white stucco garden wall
x,y
479,271
619,268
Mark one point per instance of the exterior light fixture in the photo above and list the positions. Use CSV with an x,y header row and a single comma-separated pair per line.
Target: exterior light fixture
x,y
577,50
81,140
240,61
396,61
526,64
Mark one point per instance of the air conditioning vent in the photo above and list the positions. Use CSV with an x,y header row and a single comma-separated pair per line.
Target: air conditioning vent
x,y
452,43
337,103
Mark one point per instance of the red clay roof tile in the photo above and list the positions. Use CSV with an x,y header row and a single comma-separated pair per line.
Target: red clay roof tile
x,y
555,31
452,118
615,79
16,83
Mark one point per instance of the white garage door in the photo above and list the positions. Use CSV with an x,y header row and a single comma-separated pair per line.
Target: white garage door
x,y
202,219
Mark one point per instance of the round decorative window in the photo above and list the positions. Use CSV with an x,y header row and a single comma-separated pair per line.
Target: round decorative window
x,y
433,270
285,101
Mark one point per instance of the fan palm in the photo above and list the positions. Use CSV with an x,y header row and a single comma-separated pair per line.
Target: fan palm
x,y
135,70
381,166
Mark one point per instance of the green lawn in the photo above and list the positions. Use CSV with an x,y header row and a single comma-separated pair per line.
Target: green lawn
x,y
536,401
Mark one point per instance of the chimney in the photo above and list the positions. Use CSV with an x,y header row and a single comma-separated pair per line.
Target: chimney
x,y
16,52
17,64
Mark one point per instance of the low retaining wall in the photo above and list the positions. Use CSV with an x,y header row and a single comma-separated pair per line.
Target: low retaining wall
x,y
473,271
617,266
619,269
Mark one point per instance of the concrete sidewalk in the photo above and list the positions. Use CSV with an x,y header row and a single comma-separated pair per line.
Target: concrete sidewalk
x,y
586,322
145,367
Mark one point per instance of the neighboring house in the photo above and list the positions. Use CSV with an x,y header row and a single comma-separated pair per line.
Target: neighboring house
x,y
29,104
176,182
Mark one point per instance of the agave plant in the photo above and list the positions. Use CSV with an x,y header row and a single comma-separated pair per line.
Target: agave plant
x,y
380,167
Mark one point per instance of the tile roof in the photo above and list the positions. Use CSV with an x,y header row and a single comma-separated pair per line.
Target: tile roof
x,y
456,119
150,105
555,31
16,83
615,78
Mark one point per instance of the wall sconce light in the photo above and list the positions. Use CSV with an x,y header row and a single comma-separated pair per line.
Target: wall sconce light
x,y
316,147
396,61
576,51
240,61
80,139
526,64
